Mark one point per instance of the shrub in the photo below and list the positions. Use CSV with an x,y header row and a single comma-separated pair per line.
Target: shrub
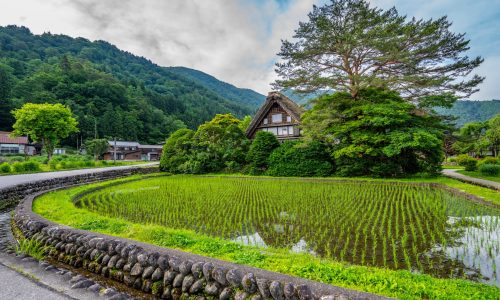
x,y
53,164
31,166
18,167
468,162
300,159
470,165
258,156
462,159
489,169
489,160
5,168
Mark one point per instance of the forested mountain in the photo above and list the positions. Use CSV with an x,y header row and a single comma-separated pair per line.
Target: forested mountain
x,y
243,96
472,111
110,90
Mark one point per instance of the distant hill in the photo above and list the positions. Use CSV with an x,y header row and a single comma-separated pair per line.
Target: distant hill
x,y
229,91
464,110
128,96
472,111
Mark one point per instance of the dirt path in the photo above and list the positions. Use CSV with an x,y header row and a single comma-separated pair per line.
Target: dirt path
x,y
452,173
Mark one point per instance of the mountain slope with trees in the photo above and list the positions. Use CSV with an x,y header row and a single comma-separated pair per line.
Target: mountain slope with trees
x,y
112,92
244,96
467,111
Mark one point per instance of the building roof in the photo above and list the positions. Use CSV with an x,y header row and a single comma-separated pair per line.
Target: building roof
x,y
6,139
150,146
124,144
288,105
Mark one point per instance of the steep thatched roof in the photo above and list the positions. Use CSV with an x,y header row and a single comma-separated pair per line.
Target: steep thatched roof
x,y
288,105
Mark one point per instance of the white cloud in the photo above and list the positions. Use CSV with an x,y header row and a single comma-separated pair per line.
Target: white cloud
x,y
234,40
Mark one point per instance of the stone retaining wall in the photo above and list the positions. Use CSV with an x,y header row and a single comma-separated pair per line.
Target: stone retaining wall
x,y
12,195
161,272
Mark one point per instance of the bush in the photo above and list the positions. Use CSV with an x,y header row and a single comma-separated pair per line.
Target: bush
x,y
300,159
468,162
53,164
258,156
31,166
490,169
462,159
470,165
5,168
18,167
488,160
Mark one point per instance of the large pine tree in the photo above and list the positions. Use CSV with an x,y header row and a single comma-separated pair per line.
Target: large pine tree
x,y
347,45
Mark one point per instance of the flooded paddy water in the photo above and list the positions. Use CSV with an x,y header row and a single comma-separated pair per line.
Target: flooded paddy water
x,y
394,225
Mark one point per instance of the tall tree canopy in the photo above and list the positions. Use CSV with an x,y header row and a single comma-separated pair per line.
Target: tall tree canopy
x,y
347,45
44,123
380,134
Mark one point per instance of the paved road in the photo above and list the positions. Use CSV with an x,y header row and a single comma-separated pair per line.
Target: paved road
x,y
16,286
11,180
477,181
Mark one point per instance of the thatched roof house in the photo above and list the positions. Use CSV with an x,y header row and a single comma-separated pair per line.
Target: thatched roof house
x,y
278,115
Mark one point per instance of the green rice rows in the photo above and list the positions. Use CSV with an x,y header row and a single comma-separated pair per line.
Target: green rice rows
x,y
393,225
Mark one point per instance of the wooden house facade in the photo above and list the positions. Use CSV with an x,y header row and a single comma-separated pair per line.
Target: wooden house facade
x,y
278,115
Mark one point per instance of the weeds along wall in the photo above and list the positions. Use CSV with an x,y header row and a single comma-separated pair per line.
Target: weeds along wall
x,y
160,272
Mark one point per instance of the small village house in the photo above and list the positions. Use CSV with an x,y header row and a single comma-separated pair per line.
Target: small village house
x,y
15,145
278,115
126,150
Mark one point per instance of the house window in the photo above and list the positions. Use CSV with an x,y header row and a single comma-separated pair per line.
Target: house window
x,y
288,119
283,130
290,130
265,121
273,130
277,118
9,150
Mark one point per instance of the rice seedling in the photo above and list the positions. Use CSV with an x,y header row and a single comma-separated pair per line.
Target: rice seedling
x,y
392,225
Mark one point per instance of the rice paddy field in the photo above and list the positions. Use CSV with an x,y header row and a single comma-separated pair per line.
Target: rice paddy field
x,y
413,227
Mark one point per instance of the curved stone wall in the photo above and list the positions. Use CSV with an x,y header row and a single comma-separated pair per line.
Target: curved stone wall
x,y
160,272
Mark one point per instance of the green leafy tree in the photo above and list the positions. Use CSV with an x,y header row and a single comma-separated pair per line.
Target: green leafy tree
x,y
258,156
300,159
347,45
379,134
471,140
492,134
178,151
97,147
220,144
245,123
44,123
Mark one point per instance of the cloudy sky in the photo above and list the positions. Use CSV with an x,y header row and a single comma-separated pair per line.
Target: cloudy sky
x,y
234,40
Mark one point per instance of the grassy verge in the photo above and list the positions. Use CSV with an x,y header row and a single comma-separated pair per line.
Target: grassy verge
x,y
451,167
47,168
479,175
57,206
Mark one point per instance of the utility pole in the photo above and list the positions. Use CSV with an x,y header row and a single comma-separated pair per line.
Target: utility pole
x,y
114,151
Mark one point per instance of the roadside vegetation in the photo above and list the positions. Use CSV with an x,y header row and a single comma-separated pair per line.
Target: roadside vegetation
x,y
31,248
16,164
58,206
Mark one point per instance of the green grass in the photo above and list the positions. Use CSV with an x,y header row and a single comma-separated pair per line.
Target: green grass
x,y
98,164
477,174
58,206
31,248
452,167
